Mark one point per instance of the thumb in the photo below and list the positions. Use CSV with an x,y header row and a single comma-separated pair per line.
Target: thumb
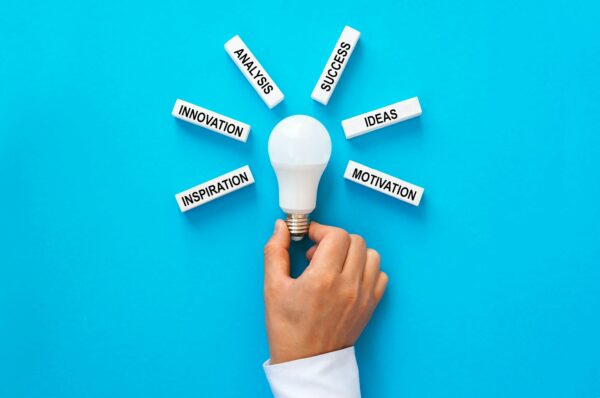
x,y
277,257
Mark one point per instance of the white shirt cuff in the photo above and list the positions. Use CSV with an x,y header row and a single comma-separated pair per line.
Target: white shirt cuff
x,y
331,375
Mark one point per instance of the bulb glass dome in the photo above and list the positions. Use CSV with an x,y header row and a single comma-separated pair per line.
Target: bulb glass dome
x,y
299,149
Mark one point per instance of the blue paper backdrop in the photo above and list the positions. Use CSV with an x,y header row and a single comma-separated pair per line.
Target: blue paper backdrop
x,y
106,290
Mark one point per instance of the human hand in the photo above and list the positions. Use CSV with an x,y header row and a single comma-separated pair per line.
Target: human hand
x,y
327,307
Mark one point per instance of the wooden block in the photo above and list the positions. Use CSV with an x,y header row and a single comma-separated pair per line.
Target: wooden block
x,y
382,117
254,71
335,65
215,188
211,120
384,183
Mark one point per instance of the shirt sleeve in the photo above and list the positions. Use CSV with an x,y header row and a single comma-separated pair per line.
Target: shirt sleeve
x,y
331,375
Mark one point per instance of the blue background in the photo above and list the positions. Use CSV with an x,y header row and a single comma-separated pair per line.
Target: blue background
x,y
106,290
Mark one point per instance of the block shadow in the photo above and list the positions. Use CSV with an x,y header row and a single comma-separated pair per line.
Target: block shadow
x,y
356,191
388,135
209,138
235,204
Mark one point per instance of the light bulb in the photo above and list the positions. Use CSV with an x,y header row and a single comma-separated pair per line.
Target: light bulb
x,y
299,148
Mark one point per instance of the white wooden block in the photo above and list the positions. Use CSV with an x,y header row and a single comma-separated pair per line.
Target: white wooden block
x,y
215,188
382,117
211,120
335,65
384,183
254,71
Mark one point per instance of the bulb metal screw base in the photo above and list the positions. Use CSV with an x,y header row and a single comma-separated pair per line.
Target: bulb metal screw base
x,y
298,225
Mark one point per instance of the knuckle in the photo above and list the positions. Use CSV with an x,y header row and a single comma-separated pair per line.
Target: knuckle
x,y
321,286
350,293
270,293
372,266
358,240
325,281
366,304
342,236
274,289
270,288
269,249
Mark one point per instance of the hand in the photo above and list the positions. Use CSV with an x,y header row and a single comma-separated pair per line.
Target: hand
x,y
329,305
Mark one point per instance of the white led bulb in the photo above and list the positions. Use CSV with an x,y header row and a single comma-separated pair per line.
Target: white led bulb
x,y
299,149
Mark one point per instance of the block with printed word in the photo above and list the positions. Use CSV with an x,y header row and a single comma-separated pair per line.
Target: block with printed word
x,y
211,120
253,71
384,183
382,117
335,65
215,188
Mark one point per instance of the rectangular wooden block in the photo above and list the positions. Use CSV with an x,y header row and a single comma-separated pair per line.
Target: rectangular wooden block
x,y
211,120
382,117
215,188
254,71
384,183
335,65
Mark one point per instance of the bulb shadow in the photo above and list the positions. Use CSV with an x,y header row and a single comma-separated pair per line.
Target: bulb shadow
x,y
281,110
402,131
298,256
233,205
356,192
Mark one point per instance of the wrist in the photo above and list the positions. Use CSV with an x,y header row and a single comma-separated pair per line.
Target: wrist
x,y
281,356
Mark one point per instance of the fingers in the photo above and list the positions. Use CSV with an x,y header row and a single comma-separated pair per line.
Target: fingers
x,y
316,231
332,246
373,278
380,286
277,257
335,249
356,257
372,268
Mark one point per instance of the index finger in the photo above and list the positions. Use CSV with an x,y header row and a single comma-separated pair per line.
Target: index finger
x,y
332,246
